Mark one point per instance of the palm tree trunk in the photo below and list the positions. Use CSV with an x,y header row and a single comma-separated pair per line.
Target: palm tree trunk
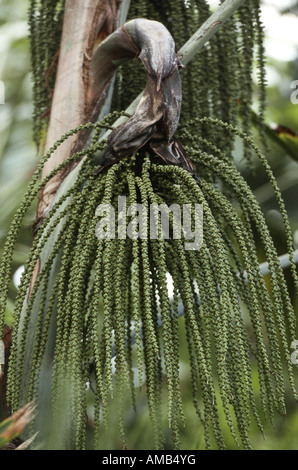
x,y
75,101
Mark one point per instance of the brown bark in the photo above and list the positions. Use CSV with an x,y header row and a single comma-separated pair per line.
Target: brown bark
x,y
76,98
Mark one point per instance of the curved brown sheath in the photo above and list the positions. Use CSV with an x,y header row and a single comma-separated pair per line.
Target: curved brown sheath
x,y
157,115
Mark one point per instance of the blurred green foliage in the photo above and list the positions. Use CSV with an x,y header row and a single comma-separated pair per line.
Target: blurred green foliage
x,y
17,151
18,157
